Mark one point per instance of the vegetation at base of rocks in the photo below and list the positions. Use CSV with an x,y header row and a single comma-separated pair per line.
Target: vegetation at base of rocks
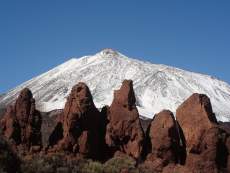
x,y
145,169
92,167
59,163
117,164
9,162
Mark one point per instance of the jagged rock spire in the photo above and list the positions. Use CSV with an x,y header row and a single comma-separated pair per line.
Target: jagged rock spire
x,y
124,132
81,124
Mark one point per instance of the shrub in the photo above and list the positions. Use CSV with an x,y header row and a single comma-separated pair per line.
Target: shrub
x,y
59,163
9,161
63,170
43,164
116,164
92,167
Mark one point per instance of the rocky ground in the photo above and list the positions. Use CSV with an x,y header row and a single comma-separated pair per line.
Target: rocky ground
x,y
80,138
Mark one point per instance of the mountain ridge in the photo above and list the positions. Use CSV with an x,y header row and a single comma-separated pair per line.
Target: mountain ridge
x,y
157,86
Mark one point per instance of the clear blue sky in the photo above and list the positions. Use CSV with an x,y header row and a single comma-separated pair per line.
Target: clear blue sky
x,y
37,35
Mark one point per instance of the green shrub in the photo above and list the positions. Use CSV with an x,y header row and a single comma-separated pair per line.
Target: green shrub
x,y
43,164
92,167
37,165
116,164
59,163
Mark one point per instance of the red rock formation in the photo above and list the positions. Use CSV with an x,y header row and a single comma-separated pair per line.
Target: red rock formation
x,y
195,117
206,140
166,145
81,124
22,122
214,152
83,130
10,126
124,131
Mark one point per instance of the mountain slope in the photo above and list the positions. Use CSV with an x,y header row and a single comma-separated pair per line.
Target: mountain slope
x,y
157,87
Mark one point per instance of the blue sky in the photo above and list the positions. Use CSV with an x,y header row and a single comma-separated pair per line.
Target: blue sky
x,y
35,36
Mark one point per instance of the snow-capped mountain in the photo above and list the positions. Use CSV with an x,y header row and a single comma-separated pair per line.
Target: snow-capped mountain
x,y
156,86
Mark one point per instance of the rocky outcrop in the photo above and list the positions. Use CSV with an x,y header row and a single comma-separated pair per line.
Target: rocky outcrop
x,y
10,126
206,140
21,123
195,117
214,152
165,141
80,122
124,132
194,142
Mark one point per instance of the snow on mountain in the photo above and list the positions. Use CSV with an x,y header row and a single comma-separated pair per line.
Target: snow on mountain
x,y
156,86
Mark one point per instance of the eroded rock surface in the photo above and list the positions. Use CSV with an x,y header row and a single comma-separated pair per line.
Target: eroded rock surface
x,y
124,132
166,145
195,117
21,124
206,140
81,123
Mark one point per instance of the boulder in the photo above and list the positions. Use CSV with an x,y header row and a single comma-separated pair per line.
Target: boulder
x,y
195,116
123,131
164,135
165,142
206,140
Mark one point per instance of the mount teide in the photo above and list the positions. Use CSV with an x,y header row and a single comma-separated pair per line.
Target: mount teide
x,y
156,86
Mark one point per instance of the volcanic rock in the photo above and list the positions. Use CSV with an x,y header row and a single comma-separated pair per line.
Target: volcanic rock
x,y
21,123
195,116
81,124
213,156
214,152
10,126
166,145
207,141
124,132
